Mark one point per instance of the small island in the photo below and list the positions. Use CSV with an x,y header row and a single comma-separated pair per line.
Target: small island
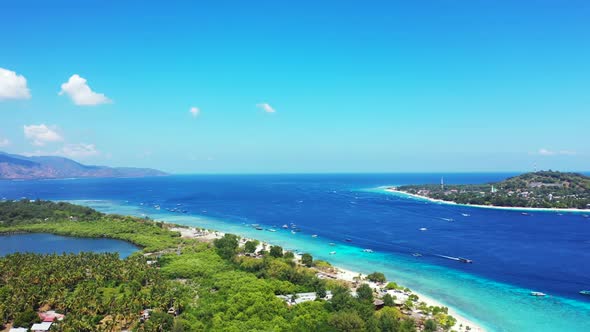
x,y
542,189
188,279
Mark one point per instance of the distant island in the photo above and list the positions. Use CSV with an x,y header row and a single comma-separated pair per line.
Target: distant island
x,y
543,189
17,167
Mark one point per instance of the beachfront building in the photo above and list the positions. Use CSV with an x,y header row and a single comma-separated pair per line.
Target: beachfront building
x,y
399,296
50,316
41,327
293,299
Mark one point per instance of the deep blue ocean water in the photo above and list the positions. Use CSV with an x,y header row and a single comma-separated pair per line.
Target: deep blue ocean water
x,y
41,243
513,254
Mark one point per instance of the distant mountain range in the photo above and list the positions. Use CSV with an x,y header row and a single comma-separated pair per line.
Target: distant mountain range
x,y
14,166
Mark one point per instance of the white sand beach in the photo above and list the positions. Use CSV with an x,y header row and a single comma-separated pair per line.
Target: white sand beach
x,y
462,322
403,193
342,274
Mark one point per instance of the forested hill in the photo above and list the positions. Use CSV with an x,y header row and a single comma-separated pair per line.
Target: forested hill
x,y
543,189
571,182
14,166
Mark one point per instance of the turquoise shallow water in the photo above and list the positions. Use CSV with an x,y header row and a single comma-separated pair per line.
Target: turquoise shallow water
x,y
494,305
512,254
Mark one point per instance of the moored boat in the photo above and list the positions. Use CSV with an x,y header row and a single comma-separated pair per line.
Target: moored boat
x,y
540,294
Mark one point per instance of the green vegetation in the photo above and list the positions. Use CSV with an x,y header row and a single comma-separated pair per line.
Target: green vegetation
x,y
95,291
377,277
307,260
543,189
187,285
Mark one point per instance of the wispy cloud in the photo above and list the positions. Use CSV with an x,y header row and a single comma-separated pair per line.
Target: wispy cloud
x,y
547,152
13,86
81,94
79,150
40,135
266,107
195,111
4,142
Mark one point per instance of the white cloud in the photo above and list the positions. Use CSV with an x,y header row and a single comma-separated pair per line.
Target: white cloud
x,y
547,152
80,150
13,86
266,107
195,111
41,134
81,94
36,153
4,142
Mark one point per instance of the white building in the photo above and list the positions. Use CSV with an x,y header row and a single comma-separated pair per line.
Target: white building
x,y
293,299
41,327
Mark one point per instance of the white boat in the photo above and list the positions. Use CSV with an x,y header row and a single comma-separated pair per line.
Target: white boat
x,y
285,226
465,214
368,250
332,253
332,243
538,294
272,230
314,236
423,229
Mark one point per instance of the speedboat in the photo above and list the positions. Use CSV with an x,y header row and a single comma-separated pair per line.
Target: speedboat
x,y
585,292
259,228
525,214
423,229
416,254
538,294
314,236
368,250
285,226
465,214
272,230
348,240
464,260
332,253
332,243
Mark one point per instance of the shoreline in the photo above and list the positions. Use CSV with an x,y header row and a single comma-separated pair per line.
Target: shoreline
x,y
511,208
348,275
342,274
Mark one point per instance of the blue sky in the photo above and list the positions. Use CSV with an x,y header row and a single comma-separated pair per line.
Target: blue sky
x,y
356,86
